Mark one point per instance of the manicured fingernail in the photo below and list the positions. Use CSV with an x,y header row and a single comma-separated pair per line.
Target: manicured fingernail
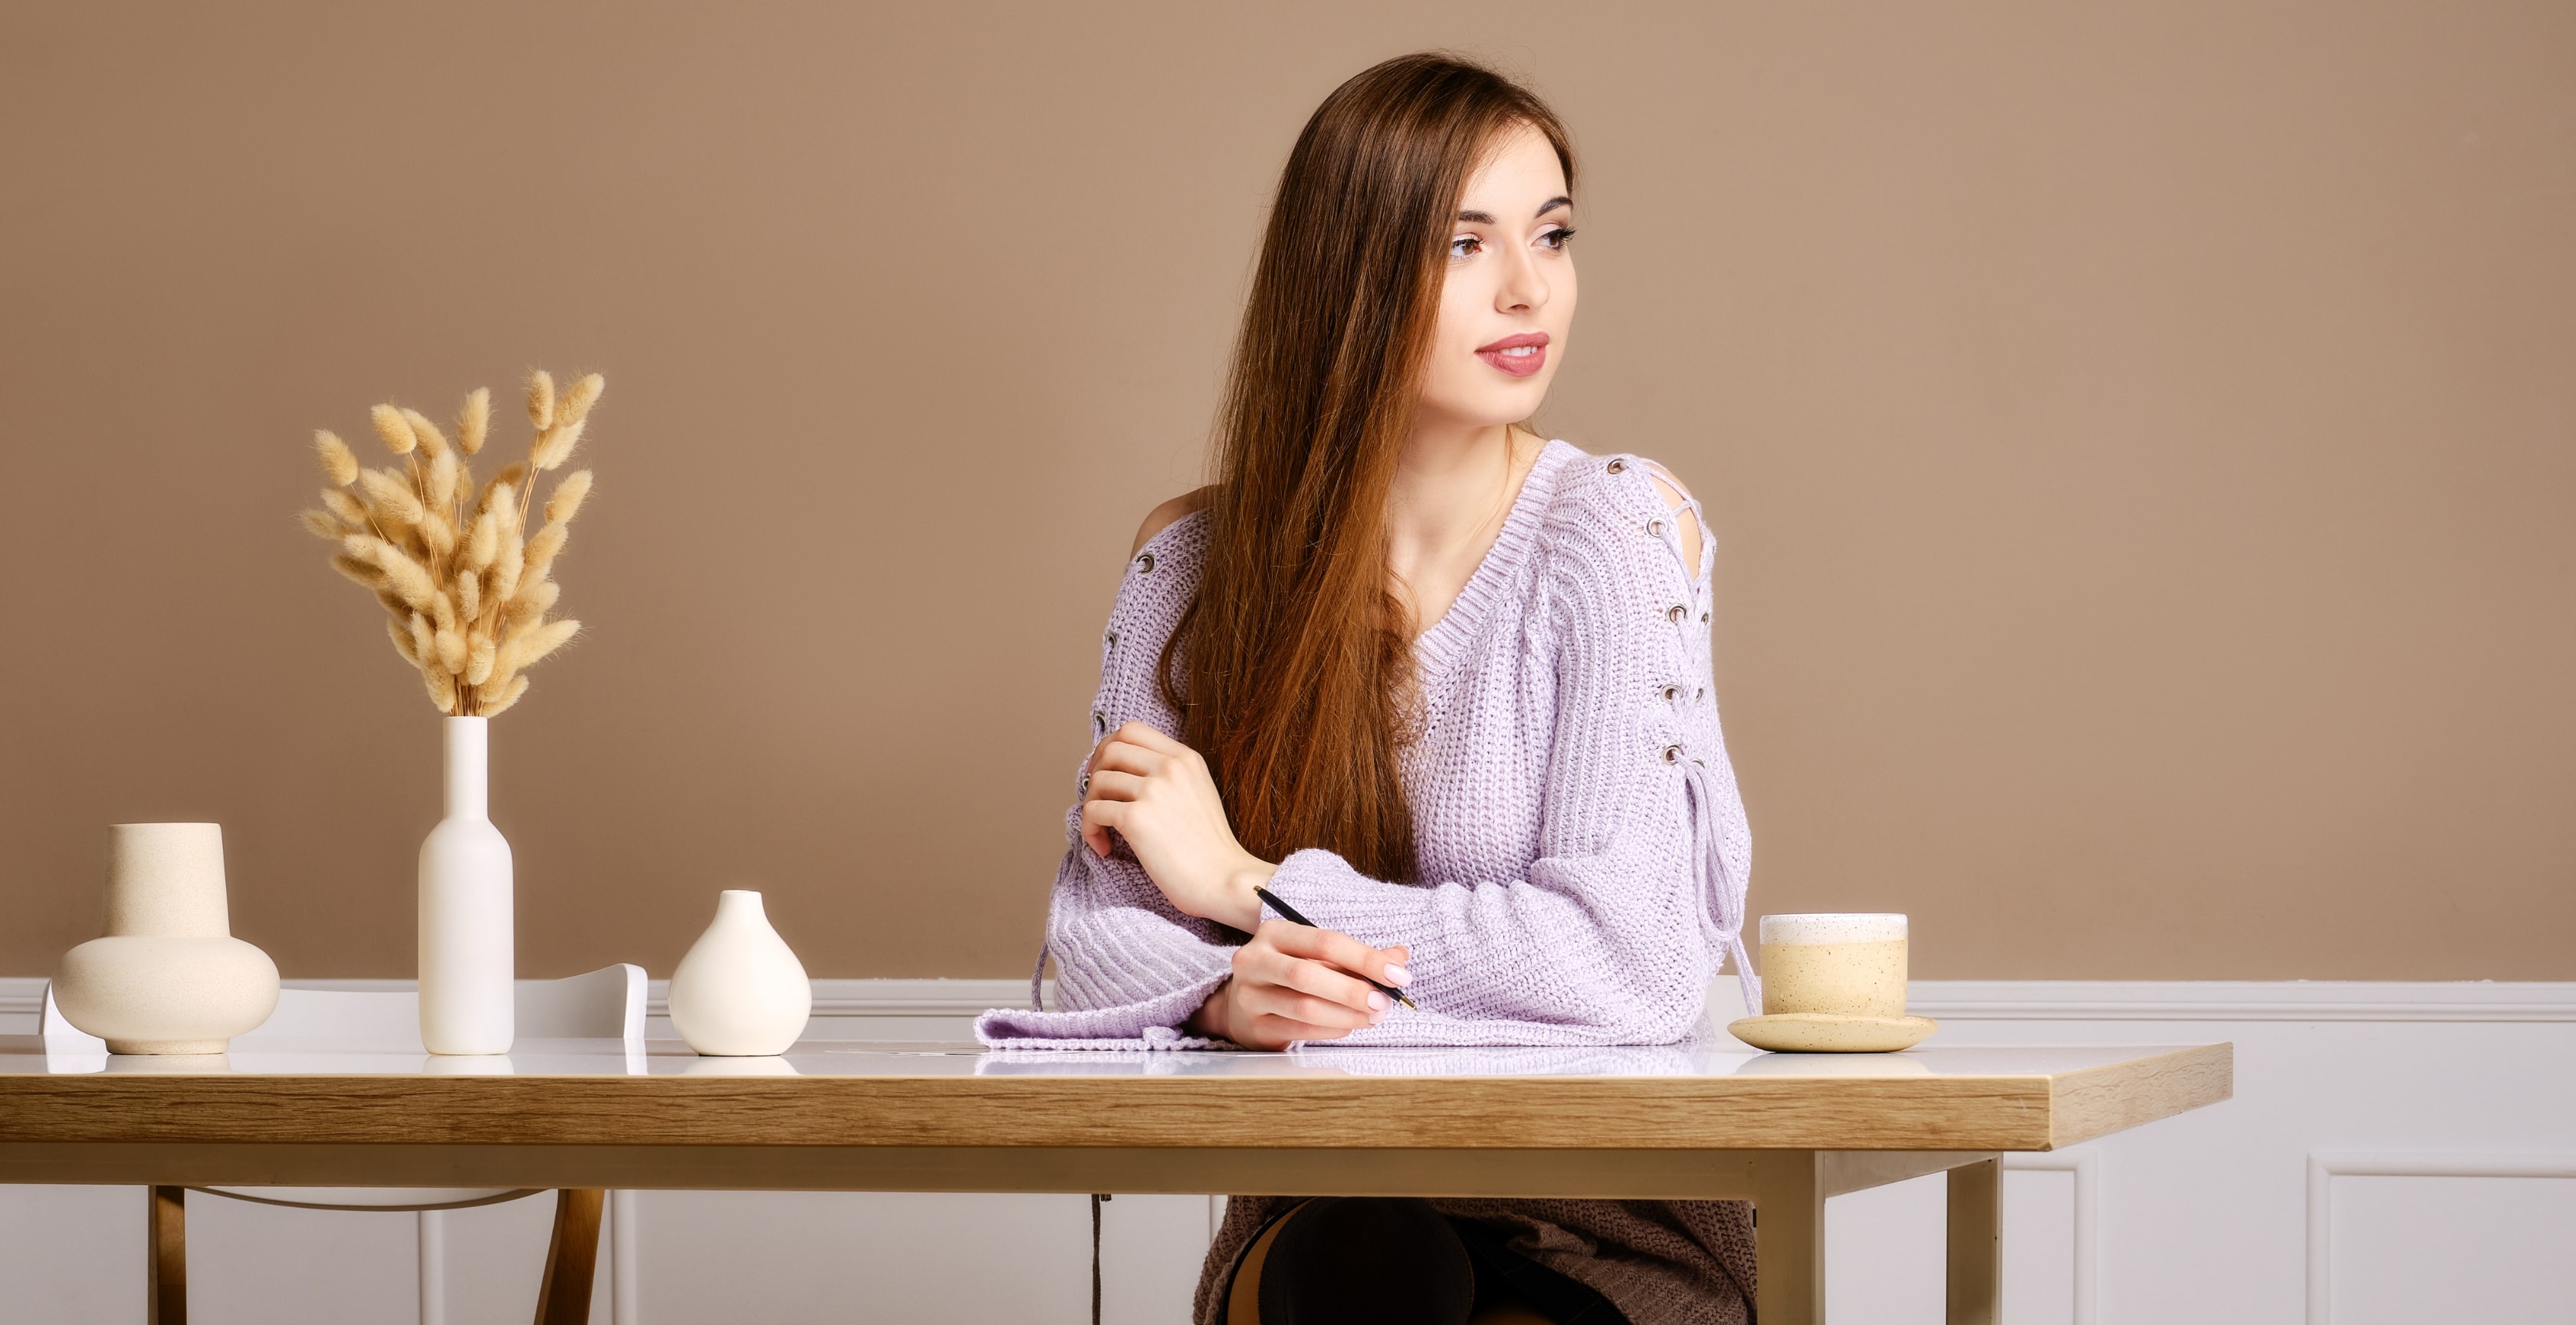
x,y
1376,1017
1398,976
1378,1002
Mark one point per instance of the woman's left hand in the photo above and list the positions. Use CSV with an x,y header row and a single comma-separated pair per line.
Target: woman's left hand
x,y
1157,793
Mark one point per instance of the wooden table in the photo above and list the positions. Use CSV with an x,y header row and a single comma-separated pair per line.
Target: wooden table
x,y
1784,1131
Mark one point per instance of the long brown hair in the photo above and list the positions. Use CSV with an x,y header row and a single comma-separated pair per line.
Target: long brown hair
x,y
1293,670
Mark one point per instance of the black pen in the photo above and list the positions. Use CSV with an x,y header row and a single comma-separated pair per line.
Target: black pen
x,y
1290,913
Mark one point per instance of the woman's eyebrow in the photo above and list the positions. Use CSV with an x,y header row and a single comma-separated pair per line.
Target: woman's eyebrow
x,y
1487,218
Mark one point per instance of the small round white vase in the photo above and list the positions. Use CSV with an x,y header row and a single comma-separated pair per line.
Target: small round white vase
x,y
740,993
169,978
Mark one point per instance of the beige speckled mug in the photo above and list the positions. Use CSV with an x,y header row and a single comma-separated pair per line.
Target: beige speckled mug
x,y
1839,965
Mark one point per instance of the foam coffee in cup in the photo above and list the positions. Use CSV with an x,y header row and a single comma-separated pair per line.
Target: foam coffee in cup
x,y
1839,965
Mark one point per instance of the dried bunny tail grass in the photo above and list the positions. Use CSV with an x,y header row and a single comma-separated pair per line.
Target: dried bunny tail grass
x,y
506,569
532,645
474,422
360,569
439,533
443,472
442,611
544,547
555,446
541,399
576,403
567,498
338,464
509,694
451,651
394,428
431,439
389,493
400,573
533,602
485,542
403,645
424,638
469,595
442,686
321,524
351,511
480,654
502,493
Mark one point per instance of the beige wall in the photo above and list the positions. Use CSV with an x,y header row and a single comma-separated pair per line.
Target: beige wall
x,y
2142,439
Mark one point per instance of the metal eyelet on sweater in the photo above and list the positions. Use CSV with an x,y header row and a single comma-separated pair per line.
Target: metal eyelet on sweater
x,y
1655,527
1703,618
1618,466
1083,787
1672,694
1144,563
1672,754
1099,723
1676,612
1109,641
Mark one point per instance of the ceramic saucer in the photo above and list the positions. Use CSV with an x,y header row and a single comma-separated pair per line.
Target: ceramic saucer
x,y
1821,1033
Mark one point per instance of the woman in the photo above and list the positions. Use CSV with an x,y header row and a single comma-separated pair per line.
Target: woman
x,y
1439,684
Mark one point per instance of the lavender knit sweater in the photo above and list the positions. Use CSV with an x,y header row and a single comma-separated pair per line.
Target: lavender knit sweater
x,y
1583,851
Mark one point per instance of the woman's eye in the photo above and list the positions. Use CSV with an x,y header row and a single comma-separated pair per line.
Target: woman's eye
x,y
1555,237
1465,246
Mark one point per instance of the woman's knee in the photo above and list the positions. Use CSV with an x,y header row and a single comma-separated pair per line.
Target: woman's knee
x,y
1363,1260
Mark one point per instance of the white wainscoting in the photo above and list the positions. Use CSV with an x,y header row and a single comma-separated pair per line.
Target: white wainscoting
x,y
2395,1152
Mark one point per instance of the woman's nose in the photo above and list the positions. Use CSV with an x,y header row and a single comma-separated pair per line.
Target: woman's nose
x,y
1524,289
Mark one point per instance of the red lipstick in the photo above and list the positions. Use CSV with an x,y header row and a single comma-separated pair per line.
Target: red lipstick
x,y
1519,355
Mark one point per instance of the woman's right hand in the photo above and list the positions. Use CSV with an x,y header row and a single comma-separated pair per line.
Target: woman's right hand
x,y
1293,982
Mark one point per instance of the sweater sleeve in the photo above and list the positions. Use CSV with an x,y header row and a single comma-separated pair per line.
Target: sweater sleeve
x,y
1130,967
1637,891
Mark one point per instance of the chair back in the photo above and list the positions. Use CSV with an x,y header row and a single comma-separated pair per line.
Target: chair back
x,y
606,1004
67,1046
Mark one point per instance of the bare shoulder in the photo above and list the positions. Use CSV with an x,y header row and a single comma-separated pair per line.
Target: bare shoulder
x,y
1678,498
1161,517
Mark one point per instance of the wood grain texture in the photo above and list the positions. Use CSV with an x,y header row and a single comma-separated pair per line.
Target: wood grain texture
x,y
1622,1174
166,1277
572,1258
2091,1102
1930,1113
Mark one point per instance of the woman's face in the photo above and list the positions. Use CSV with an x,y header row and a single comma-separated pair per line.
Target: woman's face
x,y
1509,297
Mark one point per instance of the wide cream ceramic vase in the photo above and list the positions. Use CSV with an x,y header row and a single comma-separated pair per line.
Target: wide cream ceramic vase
x,y
169,978
740,992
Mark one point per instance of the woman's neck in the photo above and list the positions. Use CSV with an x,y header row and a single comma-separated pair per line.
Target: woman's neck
x,y
1452,490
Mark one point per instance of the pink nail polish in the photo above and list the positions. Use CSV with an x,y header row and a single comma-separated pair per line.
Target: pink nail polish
x,y
1398,976
1378,1003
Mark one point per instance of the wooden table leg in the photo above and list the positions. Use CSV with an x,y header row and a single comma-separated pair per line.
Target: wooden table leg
x,y
1975,1291
1789,1238
167,1231
572,1258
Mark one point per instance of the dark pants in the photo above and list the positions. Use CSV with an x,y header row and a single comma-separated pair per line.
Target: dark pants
x,y
1354,1260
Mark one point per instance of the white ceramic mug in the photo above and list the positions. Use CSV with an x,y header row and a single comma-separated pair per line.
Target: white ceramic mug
x,y
1837,965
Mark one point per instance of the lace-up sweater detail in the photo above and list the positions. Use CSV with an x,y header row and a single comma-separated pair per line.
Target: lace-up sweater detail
x,y
1582,849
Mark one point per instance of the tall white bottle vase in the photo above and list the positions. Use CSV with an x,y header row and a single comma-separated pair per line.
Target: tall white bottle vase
x,y
740,992
467,945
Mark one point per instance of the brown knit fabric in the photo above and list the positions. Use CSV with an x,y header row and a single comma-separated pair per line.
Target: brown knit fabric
x,y
1659,1262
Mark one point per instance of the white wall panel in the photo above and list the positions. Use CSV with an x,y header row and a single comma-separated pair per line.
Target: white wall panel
x,y
2493,1250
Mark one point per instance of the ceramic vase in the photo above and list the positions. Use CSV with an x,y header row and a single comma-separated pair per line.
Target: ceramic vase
x,y
169,978
740,992
467,944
